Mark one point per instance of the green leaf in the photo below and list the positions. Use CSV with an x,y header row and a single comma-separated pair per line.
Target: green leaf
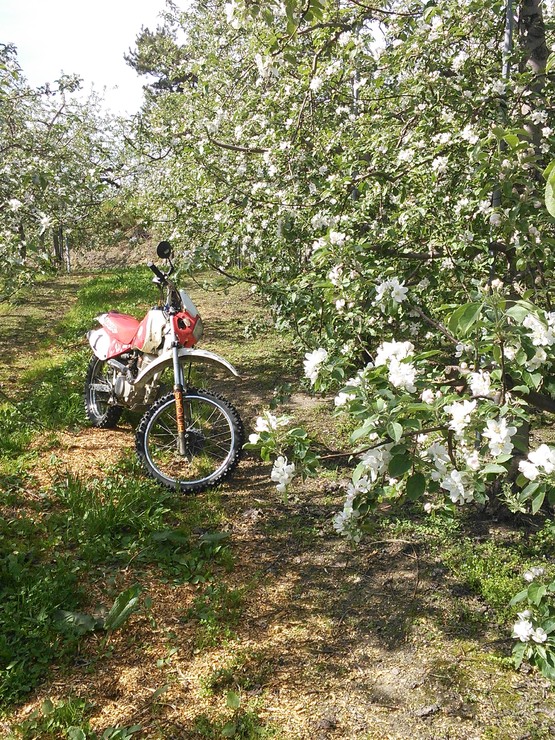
x,y
125,604
358,472
75,733
465,317
494,468
550,193
520,310
233,700
159,691
399,465
77,622
518,653
395,431
531,488
538,500
520,596
362,431
229,729
415,487
536,592
212,537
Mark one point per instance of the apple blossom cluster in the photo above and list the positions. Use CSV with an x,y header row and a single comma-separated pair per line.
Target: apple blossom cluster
x,y
524,630
542,334
345,522
539,461
267,423
391,288
536,571
376,461
401,374
499,436
282,473
313,361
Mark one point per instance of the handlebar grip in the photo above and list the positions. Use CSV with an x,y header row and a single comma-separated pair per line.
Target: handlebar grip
x,y
159,274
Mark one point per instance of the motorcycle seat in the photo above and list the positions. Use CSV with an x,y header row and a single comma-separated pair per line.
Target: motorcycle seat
x,y
121,325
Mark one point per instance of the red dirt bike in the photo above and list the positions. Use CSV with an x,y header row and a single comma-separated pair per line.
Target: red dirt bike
x,y
188,439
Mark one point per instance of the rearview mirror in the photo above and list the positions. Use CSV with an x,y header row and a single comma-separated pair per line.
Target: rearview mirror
x,y
164,250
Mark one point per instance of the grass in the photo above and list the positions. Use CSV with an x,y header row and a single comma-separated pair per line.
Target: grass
x,y
75,544
55,542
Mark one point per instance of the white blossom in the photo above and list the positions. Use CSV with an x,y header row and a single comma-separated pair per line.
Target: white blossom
x,y
536,571
460,415
343,398
377,460
45,222
282,473
543,457
388,351
318,221
458,61
523,630
473,461
439,456
539,117
499,435
461,349
537,360
439,164
268,422
312,363
402,375
528,469
455,483
337,238
391,288
495,219
480,383
335,275
540,334
316,83
539,635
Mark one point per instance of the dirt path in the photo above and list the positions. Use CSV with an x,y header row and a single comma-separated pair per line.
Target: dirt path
x,y
330,641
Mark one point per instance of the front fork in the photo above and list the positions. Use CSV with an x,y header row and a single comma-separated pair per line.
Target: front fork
x,y
179,384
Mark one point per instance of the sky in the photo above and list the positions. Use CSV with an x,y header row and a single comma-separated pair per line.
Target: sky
x,y
85,37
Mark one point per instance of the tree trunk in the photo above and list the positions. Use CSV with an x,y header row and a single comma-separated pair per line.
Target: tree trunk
x,y
58,245
531,29
22,242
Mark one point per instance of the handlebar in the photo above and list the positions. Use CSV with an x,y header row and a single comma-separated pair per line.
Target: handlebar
x,y
173,297
159,274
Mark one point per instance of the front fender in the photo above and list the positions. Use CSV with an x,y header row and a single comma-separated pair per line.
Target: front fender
x,y
188,355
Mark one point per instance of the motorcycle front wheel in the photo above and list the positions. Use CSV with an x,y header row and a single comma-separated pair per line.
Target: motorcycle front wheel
x,y
214,440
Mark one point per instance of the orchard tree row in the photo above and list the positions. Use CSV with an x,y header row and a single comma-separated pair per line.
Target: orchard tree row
x,y
62,167
377,172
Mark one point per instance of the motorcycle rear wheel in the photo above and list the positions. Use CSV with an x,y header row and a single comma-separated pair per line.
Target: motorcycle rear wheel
x,y
98,390
214,435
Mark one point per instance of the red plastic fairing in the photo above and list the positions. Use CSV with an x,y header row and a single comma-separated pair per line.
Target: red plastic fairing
x,y
120,325
184,325
140,335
